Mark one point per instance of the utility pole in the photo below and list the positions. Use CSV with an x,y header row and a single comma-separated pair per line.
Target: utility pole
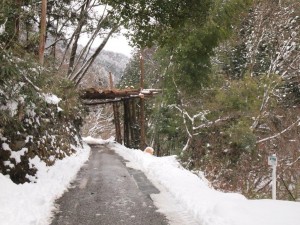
x,y
42,31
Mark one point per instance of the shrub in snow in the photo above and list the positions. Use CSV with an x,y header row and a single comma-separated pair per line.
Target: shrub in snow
x,y
34,121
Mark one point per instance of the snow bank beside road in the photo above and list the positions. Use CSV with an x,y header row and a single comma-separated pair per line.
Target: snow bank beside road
x,y
32,203
206,205
185,198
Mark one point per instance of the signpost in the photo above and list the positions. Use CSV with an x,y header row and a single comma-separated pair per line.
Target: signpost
x,y
272,161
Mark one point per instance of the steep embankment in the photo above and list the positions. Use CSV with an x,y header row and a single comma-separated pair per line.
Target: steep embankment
x,y
40,115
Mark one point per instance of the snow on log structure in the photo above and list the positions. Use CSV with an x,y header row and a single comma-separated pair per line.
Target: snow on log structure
x,y
96,93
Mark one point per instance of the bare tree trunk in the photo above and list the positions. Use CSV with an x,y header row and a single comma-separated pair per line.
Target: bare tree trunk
x,y
82,71
12,23
17,19
42,32
77,35
85,51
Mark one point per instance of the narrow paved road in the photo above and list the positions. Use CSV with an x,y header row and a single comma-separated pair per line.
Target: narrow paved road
x,y
106,192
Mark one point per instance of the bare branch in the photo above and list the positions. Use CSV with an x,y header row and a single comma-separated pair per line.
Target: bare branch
x,y
31,83
87,47
80,74
212,123
278,134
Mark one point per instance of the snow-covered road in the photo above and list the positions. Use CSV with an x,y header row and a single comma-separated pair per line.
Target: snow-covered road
x,y
107,192
184,198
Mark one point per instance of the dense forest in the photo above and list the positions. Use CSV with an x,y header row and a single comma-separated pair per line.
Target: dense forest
x,y
230,95
228,70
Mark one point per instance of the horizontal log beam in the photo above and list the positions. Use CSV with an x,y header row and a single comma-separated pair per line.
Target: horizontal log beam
x,y
101,102
95,93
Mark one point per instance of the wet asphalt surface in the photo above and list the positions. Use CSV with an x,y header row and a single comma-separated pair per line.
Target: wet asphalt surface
x,y
106,192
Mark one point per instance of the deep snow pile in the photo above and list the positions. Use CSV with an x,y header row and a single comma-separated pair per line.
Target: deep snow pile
x,y
32,203
207,206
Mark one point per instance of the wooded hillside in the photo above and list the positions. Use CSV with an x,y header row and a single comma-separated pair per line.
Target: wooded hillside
x,y
231,95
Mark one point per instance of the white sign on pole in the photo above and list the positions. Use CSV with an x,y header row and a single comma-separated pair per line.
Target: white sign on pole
x,y
272,161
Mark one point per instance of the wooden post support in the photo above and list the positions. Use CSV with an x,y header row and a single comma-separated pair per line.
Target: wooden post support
x,y
126,123
117,122
142,124
131,123
135,134
142,106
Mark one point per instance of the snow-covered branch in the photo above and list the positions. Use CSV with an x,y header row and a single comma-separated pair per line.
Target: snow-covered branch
x,y
292,163
280,133
31,83
211,123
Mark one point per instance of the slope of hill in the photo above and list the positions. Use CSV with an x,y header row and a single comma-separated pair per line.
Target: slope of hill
x,y
106,62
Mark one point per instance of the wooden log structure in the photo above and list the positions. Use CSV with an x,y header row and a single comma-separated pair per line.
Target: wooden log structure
x,y
133,117
135,127
142,124
96,93
126,126
117,122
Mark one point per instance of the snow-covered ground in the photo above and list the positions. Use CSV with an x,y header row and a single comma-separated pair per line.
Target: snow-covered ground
x,y
185,198
194,199
32,203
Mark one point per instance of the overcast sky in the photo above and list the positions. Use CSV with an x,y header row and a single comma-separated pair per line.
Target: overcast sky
x,y
117,43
